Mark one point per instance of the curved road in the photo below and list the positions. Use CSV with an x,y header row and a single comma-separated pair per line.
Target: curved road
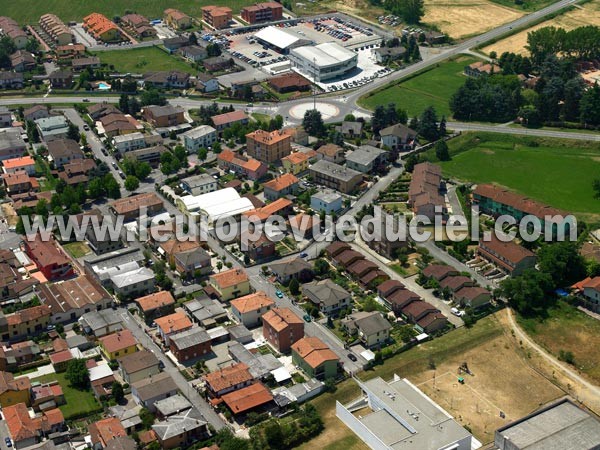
x,y
592,389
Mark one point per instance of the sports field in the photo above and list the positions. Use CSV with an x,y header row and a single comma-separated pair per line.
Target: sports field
x,y
431,88
29,11
146,59
578,16
557,172
462,18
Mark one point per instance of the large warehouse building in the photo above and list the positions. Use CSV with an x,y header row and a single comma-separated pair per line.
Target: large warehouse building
x,y
323,62
281,39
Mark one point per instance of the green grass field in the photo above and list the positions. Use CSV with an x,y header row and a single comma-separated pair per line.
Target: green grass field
x,y
431,88
146,59
78,403
558,172
31,10
570,330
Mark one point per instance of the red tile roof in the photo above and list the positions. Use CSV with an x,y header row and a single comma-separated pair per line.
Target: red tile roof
x,y
283,182
229,278
118,341
228,377
280,318
247,398
105,430
230,117
156,300
314,351
252,302
174,323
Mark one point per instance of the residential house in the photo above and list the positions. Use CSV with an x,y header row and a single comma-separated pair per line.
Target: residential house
x,y
328,296
118,344
164,116
156,305
14,390
387,288
289,82
472,297
295,163
400,299
36,112
432,323
18,354
425,192
60,360
176,19
346,258
61,79
69,51
12,144
262,12
190,345
248,398
327,202
172,79
480,68
206,83
297,134
52,128
336,177
131,207
22,61
230,284
372,328
99,110
367,159
268,147
72,298
51,261
386,237
217,63
202,136
42,395
217,17
12,30
135,141
193,53
76,172
281,186
176,42
281,206
23,164
199,184
11,80
591,292
350,130
151,155
192,263
172,324
64,151
100,323
150,390
249,309
315,358
139,25
91,62
456,283
104,431
439,271
281,328
117,124
399,137
510,257
26,430
101,28
226,120
294,267
138,366
227,379
180,429
245,167
206,312
27,322
258,249
386,55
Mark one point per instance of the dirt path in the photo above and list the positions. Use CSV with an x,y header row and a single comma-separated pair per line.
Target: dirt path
x,y
580,388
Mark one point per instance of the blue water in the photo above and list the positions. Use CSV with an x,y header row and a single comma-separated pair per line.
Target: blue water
x,y
103,86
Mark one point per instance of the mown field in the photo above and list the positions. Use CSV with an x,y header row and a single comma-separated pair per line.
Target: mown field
x,y
569,330
141,60
29,11
558,172
431,88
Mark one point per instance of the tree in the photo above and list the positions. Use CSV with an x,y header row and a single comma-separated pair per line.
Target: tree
x,y
32,45
274,434
147,418
493,55
441,151
596,187
589,106
294,286
142,170
202,154
562,262
117,392
77,374
527,292
151,96
313,123
442,128
73,132
124,103
131,183
428,127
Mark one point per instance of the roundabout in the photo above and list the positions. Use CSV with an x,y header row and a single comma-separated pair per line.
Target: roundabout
x,y
327,110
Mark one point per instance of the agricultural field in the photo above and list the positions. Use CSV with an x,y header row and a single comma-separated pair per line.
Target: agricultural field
x,y
566,168
577,16
566,329
146,59
431,88
357,8
460,19
502,381
31,10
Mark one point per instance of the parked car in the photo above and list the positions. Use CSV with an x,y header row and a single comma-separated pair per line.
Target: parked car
x,y
307,318
351,357
8,442
278,293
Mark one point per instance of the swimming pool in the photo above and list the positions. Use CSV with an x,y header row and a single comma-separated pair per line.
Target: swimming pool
x,y
103,86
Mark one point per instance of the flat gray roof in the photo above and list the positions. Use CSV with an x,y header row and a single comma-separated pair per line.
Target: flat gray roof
x,y
172,405
560,426
364,155
335,170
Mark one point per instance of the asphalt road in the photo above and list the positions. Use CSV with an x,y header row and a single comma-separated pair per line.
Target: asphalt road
x,y
184,386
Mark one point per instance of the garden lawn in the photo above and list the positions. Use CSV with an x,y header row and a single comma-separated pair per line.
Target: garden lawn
x,y
434,88
146,59
78,403
570,330
558,172
77,249
29,11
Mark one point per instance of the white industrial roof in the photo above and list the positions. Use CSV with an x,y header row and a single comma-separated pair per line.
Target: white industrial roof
x,y
281,374
222,203
326,54
198,132
277,37
100,371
